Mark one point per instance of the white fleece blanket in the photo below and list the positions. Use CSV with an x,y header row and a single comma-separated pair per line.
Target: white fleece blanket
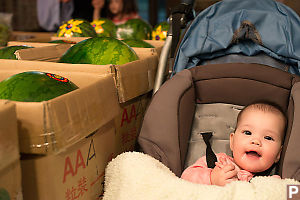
x,y
134,176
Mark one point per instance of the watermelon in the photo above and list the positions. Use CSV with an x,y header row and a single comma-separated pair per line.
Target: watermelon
x,y
4,195
62,42
5,33
138,43
9,52
99,51
104,27
134,29
76,28
160,31
34,86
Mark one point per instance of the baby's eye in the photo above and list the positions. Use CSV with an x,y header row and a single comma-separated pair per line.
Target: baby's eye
x,y
247,132
269,138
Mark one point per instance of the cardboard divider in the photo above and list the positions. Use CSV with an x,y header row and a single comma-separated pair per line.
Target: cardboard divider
x,y
73,39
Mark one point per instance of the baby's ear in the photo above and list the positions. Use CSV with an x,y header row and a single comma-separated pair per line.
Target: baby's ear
x,y
231,141
278,156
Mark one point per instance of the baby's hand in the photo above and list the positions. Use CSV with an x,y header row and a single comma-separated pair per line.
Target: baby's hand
x,y
223,173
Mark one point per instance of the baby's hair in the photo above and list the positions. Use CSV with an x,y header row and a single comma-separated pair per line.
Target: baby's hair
x,y
264,106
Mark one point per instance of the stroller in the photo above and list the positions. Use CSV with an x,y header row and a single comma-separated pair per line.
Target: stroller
x,y
233,53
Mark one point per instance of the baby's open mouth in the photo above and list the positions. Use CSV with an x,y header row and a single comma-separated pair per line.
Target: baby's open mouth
x,y
253,153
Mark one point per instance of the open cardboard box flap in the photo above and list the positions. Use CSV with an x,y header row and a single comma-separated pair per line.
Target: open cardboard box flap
x,y
132,79
43,53
31,36
50,126
31,44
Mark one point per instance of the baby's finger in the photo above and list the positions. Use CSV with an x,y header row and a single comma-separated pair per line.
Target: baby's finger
x,y
231,174
228,168
228,162
223,161
218,164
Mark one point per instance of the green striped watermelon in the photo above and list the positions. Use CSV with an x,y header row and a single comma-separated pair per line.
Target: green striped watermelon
x,y
4,195
160,31
5,33
104,27
134,29
9,52
76,28
138,43
99,51
34,86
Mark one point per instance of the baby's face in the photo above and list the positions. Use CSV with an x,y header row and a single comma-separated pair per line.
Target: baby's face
x,y
256,143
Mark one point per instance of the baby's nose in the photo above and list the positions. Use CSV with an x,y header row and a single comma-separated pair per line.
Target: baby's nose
x,y
255,142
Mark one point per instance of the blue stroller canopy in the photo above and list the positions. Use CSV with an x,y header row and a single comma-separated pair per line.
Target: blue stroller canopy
x,y
211,34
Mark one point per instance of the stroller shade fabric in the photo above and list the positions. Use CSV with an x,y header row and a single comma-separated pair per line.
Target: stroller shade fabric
x,y
247,27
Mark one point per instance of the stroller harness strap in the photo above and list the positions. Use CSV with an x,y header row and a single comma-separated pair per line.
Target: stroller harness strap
x,y
211,157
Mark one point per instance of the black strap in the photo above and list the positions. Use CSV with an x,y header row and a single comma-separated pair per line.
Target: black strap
x,y
181,15
176,27
211,157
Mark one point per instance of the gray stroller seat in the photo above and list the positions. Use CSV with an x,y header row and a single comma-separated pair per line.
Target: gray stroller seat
x,y
168,122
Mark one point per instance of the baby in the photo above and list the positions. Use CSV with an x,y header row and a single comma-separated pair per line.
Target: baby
x,y
256,145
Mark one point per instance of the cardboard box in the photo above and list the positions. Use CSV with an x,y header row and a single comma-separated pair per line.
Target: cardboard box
x,y
76,173
31,36
129,121
10,182
132,79
10,171
51,126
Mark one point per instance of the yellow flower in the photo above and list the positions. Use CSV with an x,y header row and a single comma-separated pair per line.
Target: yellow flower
x,y
67,29
158,34
97,24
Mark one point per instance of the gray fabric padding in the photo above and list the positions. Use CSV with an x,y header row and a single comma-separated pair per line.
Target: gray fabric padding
x,y
291,158
161,135
222,90
261,58
218,118
186,109
241,84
